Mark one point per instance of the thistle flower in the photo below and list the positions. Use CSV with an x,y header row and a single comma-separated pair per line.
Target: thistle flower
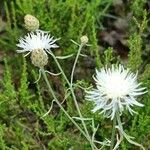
x,y
117,89
38,43
36,40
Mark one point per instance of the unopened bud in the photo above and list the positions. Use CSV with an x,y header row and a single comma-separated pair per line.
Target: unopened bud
x,y
31,22
39,58
84,39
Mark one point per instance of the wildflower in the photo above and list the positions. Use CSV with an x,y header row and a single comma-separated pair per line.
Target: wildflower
x,y
36,40
117,89
31,22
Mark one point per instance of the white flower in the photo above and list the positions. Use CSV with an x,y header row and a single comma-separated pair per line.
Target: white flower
x,y
117,88
37,40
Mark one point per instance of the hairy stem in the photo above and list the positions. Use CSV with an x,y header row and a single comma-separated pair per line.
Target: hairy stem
x,y
127,137
75,100
113,133
75,63
59,104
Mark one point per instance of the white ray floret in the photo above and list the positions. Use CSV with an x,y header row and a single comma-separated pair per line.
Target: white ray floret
x,y
117,89
37,40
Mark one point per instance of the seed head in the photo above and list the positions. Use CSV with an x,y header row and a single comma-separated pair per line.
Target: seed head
x,y
31,22
39,58
84,39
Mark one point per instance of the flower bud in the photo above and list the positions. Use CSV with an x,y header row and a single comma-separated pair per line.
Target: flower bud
x,y
31,22
84,39
39,58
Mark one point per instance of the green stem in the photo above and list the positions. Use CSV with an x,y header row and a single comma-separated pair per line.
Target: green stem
x,y
75,63
127,137
75,100
59,104
113,133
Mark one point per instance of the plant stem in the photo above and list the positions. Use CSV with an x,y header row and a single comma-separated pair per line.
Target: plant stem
x,y
113,133
127,137
75,63
59,104
75,100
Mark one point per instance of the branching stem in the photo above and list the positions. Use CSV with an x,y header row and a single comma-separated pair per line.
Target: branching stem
x,y
59,104
75,100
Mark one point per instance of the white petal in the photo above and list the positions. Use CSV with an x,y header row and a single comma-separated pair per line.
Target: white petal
x,y
37,40
116,88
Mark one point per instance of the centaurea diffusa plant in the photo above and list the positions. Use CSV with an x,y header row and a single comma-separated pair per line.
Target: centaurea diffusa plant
x,y
39,43
116,90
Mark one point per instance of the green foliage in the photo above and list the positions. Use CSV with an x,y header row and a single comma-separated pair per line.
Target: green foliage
x,y
95,46
137,7
8,96
146,74
9,89
141,122
108,56
23,103
2,141
135,45
135,58
24,94
12,31
66,141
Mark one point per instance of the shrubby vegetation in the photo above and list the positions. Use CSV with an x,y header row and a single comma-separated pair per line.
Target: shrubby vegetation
x,y
23,103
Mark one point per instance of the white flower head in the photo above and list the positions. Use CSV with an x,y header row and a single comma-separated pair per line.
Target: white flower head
x,y
117,88
37,40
